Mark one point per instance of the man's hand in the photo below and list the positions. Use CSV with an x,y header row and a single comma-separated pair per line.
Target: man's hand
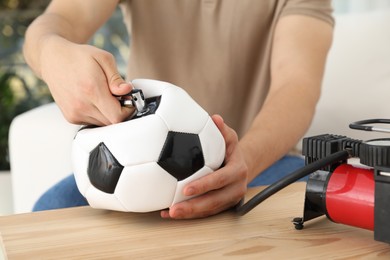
x,y
83,80
219,190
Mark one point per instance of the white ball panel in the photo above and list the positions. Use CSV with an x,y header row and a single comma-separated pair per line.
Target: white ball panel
x,y
101,200
145,187
132,142
180,112
80,166
151,88
89,138
213,145
143,142
179,196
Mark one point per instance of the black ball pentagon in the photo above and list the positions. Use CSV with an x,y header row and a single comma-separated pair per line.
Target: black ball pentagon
x,y
103,169
181,155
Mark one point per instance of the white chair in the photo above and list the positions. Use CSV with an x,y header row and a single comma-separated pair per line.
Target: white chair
x,y
356,86
40,149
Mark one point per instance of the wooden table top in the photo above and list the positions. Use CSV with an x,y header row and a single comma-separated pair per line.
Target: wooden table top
x,y
266,232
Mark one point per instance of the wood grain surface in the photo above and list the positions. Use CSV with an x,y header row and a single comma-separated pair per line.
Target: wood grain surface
x,y
264,233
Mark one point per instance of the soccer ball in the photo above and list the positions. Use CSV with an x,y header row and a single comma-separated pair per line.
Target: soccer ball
x,y
142,164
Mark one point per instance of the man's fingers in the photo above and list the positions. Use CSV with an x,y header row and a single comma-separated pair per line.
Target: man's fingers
x,y
218,120
117,85
111,108
107,104
204,206
223,177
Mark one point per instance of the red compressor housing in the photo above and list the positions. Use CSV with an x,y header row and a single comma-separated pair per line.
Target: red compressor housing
x,y
350,196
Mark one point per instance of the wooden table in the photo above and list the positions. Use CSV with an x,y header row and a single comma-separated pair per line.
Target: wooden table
x,y
264,233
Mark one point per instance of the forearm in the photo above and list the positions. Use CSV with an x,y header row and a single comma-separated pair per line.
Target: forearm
x,y
284,119
82,78
297,67
64,20
39,35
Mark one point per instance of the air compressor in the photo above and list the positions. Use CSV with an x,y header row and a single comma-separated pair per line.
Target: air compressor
x,y
352,194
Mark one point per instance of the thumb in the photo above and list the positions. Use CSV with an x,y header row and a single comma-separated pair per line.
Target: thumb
x,y
218,120
228,133
117,85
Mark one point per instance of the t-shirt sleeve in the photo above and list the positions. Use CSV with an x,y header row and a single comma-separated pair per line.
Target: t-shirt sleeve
x,y
321,9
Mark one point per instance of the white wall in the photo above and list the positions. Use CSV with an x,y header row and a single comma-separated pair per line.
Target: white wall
x,y
350,6
357,75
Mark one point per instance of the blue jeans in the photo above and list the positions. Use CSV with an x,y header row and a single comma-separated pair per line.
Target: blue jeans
x,y
65,193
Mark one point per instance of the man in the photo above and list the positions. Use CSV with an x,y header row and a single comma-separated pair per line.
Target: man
x,y
258,64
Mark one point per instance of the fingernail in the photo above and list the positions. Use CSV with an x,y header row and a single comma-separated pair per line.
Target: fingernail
x,y
190,191
178,213
164,214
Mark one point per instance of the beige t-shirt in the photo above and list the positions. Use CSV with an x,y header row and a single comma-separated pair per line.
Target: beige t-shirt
x,y
217,50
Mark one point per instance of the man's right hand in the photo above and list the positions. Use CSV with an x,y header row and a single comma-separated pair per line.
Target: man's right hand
x,y
83,80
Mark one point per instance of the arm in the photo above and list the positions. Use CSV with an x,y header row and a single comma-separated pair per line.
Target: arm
x,y
298,59
299,53
80,77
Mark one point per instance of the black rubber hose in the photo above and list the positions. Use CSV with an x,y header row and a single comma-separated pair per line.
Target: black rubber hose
x,y
289,179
